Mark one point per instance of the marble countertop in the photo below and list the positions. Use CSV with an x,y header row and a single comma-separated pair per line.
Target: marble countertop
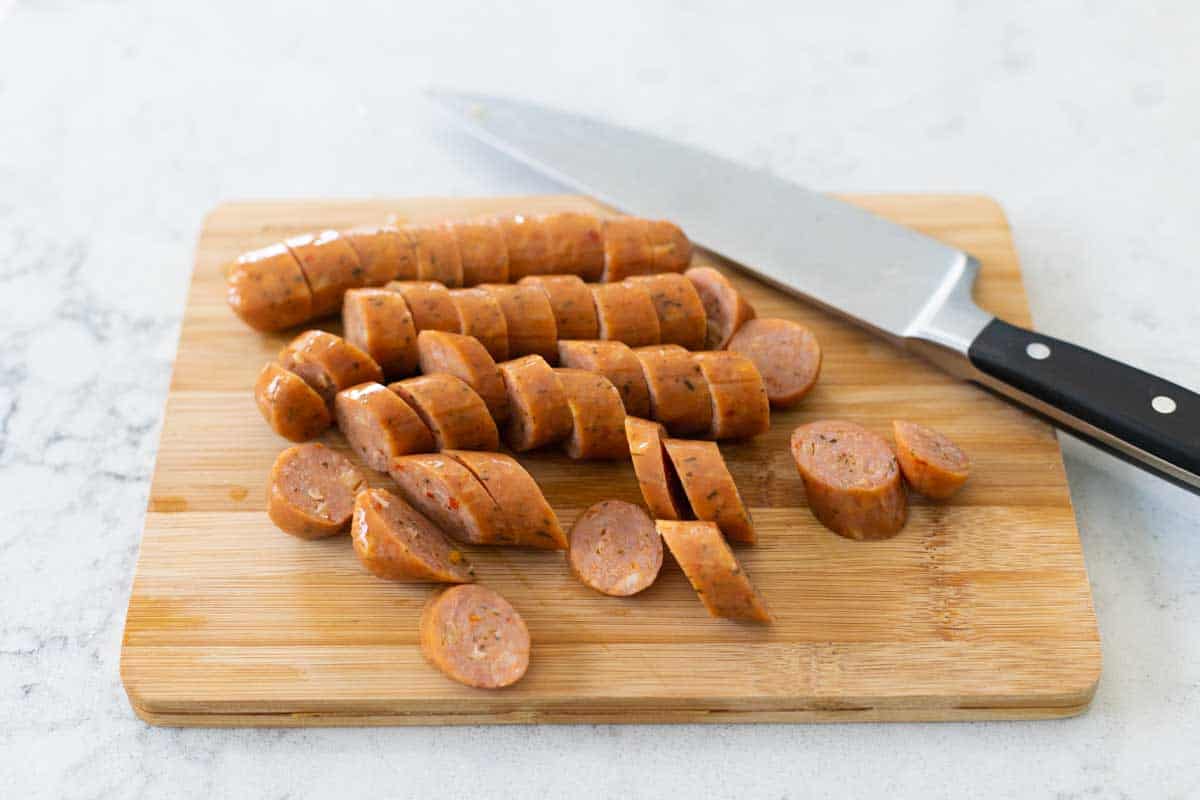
x,y
122,123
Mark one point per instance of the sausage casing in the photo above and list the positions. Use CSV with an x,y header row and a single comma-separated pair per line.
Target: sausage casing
x,y
290,406
571,301
597,413
379,323
394,541
615,361
538,410
531,521
452,410
710,489
328,363
465,358
679,395
931,463
379,425
267,289
713,570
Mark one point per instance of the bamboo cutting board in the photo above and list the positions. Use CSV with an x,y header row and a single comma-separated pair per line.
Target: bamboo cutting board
x,y
979,609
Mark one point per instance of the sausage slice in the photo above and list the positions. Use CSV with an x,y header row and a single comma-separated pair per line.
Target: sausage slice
x,y
571,301
430,305
379,425
407,253
479,315
671,250
538,410
396,542
615,548
311,491
437,254
289,405
575,244
724,307
379,323
465,358
528,245
475,637
786,353
452,410
710,489
713,571
530,320
378,251
932,464
597,413
615,361
625,314
656,476
681,318
627,248
679,396
446,492
330,266
328,363
483,252
530,519
851,479
740,408
266,288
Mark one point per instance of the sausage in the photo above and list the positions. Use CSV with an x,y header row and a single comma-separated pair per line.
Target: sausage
x,y
446,492
713,571
530,519
479,315
465,358
575,244
538,410
407,253
483,252
786,353
851,479
311,491
710,488
379,323
597,414
438,258
289,405
528,246
452,410
725,309
679,395
330,266
627,249
267,290
571,301
378,251
625,314
379,425
530,320
615,361
328,363
931,463
474,636
615,548
656,476
670,249
429,303
681,318
396,542
740,408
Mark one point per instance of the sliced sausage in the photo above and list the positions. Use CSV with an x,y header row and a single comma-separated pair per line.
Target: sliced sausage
x,y
311,491
710,489
575,244
480,315
483,252
625,314
851,479
740,408
615,361
681,318
474,636
679,396
379,425
379,323
530,519
538,410
571,301
328,363
656,476
446,492
437,254
597,413
465,358
725,309
452,410
615,548
429,303
530,320
378,251
330,266
528,246
713,571
266,288
627,248
786,353
671,250
932,464
407,254
289,405
396,542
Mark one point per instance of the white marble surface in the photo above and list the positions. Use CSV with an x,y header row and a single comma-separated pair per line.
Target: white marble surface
x,y
121,123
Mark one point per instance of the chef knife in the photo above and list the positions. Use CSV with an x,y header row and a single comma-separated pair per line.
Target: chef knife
x,y
902,285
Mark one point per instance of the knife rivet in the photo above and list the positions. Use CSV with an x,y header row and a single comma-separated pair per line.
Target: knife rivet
x,y
1037,351
1163,404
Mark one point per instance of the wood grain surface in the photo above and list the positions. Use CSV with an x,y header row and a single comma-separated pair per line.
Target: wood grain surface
x,y
979,609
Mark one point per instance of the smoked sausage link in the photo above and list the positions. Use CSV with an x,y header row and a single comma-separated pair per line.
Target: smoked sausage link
x,y
483,252
627,248
429,303
289,405
528,246
724,307
378,251
450,495
740,408
932,464
656,477
710,489
480,315
615,548
786,353
681,318
379,323
574,244
538,411
530,519
328,363
330,266
379,425
438,258
530,320
311,491
713,571
597,413
475,637
571,300
452,410
266,288
394,541
679,395
465,358
670,249
626,313
615,361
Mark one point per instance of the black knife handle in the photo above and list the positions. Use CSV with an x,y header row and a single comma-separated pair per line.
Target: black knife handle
x,y
1146,414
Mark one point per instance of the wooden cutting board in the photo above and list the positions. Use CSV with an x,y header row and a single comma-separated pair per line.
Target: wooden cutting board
x,y
979,609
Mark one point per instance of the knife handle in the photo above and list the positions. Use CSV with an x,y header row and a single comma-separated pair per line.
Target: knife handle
x,y
1144,419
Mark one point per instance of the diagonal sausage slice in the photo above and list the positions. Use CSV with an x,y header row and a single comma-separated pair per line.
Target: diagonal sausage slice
x,y
656,477
679,395
330,266
483,251
465,358
530,320
597,413
289,405
328,363
713,571
452,410
480,315
625,314
786,353
932,464
450,495
681,318
615,361
267,289
429,303
710,488
531,521
474,636
615,548
396,542
538,411
379,323
725,309
311,491
571,301
740,408
379,425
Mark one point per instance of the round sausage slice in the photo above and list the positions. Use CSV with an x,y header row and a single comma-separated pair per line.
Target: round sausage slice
x,y
681,318
479,315
597,413
530,320
656,477
725,309
851,479
710,489
627,248
786,353
932,464
625,313
452,410
379,323
330,266
289,405
713,571
575,244
531,521
379,425
437,254
311,491
446,492
430,305
266,288
671,250
396,542
615,548
679,396
483,251
615,361
378,251
475,637
528,246
465,358
538,410
740,408
571,301
328,363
